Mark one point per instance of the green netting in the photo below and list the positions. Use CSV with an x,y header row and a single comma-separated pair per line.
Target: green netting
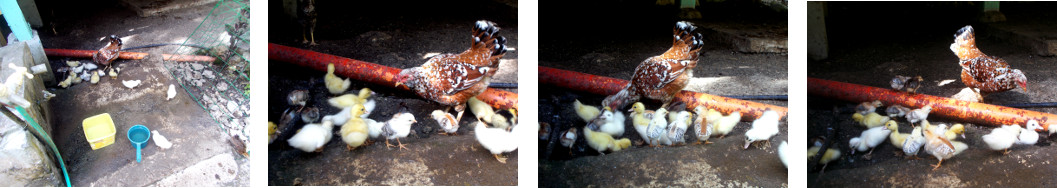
x,y
221,87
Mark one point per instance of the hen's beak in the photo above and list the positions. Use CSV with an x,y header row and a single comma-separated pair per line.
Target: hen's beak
x,y
398,84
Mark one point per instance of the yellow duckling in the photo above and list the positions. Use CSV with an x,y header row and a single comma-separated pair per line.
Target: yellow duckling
x,y
602,142
724,125
640,118
354,132
830,155
334,84
955,130
870,120
350,99
586,112
895,137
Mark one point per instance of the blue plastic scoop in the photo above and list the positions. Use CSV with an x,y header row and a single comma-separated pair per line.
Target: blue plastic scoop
x,y
138,135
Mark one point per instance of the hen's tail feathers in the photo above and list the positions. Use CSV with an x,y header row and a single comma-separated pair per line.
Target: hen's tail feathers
x,y
486,39
686,40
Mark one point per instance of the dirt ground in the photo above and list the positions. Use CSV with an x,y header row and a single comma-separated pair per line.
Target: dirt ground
x,y
197,138
916,41
397,35
615,44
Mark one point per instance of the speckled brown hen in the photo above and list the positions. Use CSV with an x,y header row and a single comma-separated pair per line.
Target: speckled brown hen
x,y
108,53
451,79
988,73
661,77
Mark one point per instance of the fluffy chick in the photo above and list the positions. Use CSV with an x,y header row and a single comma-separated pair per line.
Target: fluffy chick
x,y
568,138
297,97
677,128
913,143
498,140
783,153
702,124
870,120
312,137
334,84
602,142
763,128
310,115
916,115
867,107
505,119
586,112
896,110
399,126
724,125
483,111
941,148
354,131
446,121
655,133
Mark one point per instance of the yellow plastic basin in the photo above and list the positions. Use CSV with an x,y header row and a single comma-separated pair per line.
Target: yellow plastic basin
x,y
99,130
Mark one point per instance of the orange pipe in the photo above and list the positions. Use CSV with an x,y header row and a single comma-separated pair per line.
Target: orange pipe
x,y
965,111
369,72
125,55
607,86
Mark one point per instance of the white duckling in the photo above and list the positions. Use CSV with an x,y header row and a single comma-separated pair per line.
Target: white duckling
x,y
869,139
1030,135
1002,138
610,122
312,137
763,128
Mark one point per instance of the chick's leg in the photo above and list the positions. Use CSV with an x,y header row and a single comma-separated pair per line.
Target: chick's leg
x,y
400,144
499,158
937,166
312,33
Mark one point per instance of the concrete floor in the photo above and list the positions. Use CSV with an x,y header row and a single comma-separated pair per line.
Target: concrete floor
x,y
197,138
875,59
395,34
614,44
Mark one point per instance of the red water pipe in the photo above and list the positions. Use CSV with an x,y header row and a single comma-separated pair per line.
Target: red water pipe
x,y
125,55
602,85
958,110
369,72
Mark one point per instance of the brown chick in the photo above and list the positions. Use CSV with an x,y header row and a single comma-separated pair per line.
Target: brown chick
x,y
988,73
451,79
661,77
